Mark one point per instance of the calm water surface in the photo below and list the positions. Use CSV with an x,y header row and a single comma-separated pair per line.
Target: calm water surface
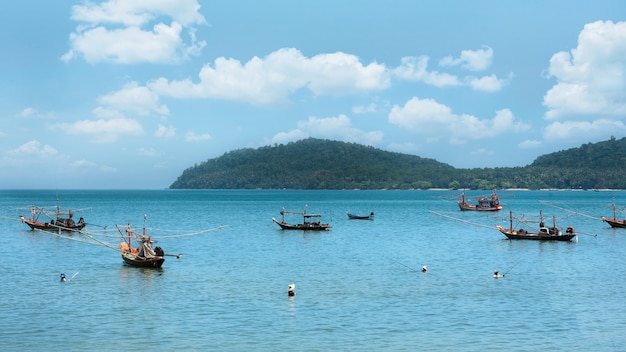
x,y
358,286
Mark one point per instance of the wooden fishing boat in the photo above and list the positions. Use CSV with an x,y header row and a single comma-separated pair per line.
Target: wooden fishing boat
x,y
58,220
143,255
360,217
490,203
615,222
543,234
311,222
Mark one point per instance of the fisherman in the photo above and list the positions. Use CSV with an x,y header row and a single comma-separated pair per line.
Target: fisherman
x,y
63,277
424,268
290,291
497,275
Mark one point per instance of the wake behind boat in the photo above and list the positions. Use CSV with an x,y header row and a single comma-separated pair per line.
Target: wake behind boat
x,y
310,222
490,203
543,234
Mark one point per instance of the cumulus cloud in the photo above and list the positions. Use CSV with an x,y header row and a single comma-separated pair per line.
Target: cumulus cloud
x,y
416,69
101,131
489,83
430,118
34,148
338,128
193,137
269,80
30,112
589,129
529,144
115,31
165,131
363,109
136,99
591,78
473,60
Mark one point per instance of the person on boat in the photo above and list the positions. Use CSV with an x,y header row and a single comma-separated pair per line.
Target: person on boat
x,y
290,290
81,221
497,275
63,277
424,268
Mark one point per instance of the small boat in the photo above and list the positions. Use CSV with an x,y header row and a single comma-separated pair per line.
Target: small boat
x,y
361,217
144,255
544,234
310,222
615,222
491,203
58,221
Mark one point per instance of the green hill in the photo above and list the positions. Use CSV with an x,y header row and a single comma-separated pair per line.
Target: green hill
x,y
324,164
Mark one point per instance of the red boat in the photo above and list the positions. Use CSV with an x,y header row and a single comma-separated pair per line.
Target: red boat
x,y
615,222
491,203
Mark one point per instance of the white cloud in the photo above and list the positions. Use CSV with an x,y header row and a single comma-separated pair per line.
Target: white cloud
x,y
416,69
362,109
34,148
489,83
589,129
33,113
290,136
147,152
134,98
113,31
429,118
138,12
337,128
193,137
165,131
473,60
591,78
269,80
530,144
102,131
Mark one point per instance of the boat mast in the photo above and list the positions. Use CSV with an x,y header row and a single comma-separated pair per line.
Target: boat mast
x,y
144,224
510,221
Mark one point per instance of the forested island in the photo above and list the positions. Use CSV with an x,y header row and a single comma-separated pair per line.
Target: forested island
x,y
325,164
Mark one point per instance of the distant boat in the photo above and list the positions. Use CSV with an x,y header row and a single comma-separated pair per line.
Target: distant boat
x,y
58,220
144,255
543,234
491,203
360,217
310,222
615,222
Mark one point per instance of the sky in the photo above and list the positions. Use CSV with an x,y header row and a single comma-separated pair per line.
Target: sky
x,y
127,94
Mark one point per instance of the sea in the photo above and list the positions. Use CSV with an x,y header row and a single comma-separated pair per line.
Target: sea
x,y
359,286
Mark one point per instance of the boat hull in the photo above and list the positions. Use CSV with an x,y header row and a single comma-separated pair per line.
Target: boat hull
x,y
307,226
516,235
360,217
46,226
155,262
472,207
615,223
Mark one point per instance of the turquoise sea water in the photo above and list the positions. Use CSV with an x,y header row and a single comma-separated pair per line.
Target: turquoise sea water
x,y
359,286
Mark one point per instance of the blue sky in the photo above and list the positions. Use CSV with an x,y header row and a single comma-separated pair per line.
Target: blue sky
x,y
126,94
